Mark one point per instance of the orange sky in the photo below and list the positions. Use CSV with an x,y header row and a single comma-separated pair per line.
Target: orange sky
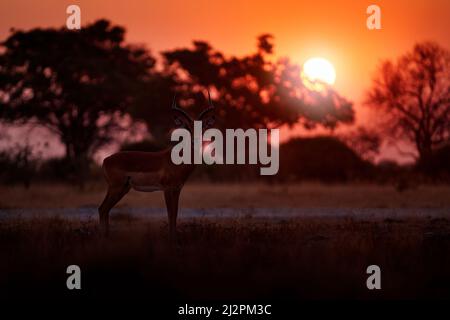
x,y
335,30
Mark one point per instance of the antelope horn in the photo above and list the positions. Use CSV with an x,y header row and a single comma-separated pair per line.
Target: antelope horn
x,y
209,100
210,108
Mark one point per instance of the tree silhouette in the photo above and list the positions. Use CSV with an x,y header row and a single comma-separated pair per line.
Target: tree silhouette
x,y
78,84
253,91
413,95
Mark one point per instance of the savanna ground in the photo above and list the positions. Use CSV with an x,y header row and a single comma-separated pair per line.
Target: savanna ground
x,y
258,195
217,259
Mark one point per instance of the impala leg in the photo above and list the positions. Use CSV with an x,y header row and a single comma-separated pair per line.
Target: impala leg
x,y
112,197
171,196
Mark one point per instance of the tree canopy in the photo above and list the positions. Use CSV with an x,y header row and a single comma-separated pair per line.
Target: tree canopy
x,y
78,84
413,95
254,91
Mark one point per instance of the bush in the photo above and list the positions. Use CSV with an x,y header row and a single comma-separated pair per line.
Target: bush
x,y
440,163
321,158
17,165
56,169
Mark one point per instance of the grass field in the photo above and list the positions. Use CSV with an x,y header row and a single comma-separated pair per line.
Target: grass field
x,y
226,259
195,195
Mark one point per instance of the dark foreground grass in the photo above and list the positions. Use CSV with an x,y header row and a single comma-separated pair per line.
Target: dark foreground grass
x,y
226,259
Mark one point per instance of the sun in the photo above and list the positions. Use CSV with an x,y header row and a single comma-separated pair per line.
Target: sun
x,y
317,73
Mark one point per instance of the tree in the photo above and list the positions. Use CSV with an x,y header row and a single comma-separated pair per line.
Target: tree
x,y
413,95
253,91
78,84
153,105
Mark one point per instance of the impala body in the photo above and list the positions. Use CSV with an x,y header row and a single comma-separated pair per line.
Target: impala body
x,y
149,171
145,171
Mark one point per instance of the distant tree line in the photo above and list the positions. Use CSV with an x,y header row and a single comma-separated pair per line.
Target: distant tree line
x,y
82,84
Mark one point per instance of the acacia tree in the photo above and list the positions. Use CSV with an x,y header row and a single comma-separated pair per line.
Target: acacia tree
x,y
78,84
413,96
253,91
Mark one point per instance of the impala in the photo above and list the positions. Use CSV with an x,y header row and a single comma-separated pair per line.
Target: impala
x,y
150,171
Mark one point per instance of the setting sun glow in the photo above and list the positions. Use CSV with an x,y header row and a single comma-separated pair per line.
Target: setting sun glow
x,y
318,72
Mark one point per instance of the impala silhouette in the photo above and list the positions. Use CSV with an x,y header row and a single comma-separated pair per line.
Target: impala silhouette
x,y
151,171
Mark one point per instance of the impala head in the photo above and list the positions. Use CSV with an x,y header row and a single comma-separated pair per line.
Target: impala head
x,y
184,120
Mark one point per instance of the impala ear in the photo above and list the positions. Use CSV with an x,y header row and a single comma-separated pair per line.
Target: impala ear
x,y
209,121
180,121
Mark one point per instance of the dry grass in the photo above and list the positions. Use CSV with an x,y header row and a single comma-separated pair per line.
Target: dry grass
x,y
235,195
298,258
223,259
